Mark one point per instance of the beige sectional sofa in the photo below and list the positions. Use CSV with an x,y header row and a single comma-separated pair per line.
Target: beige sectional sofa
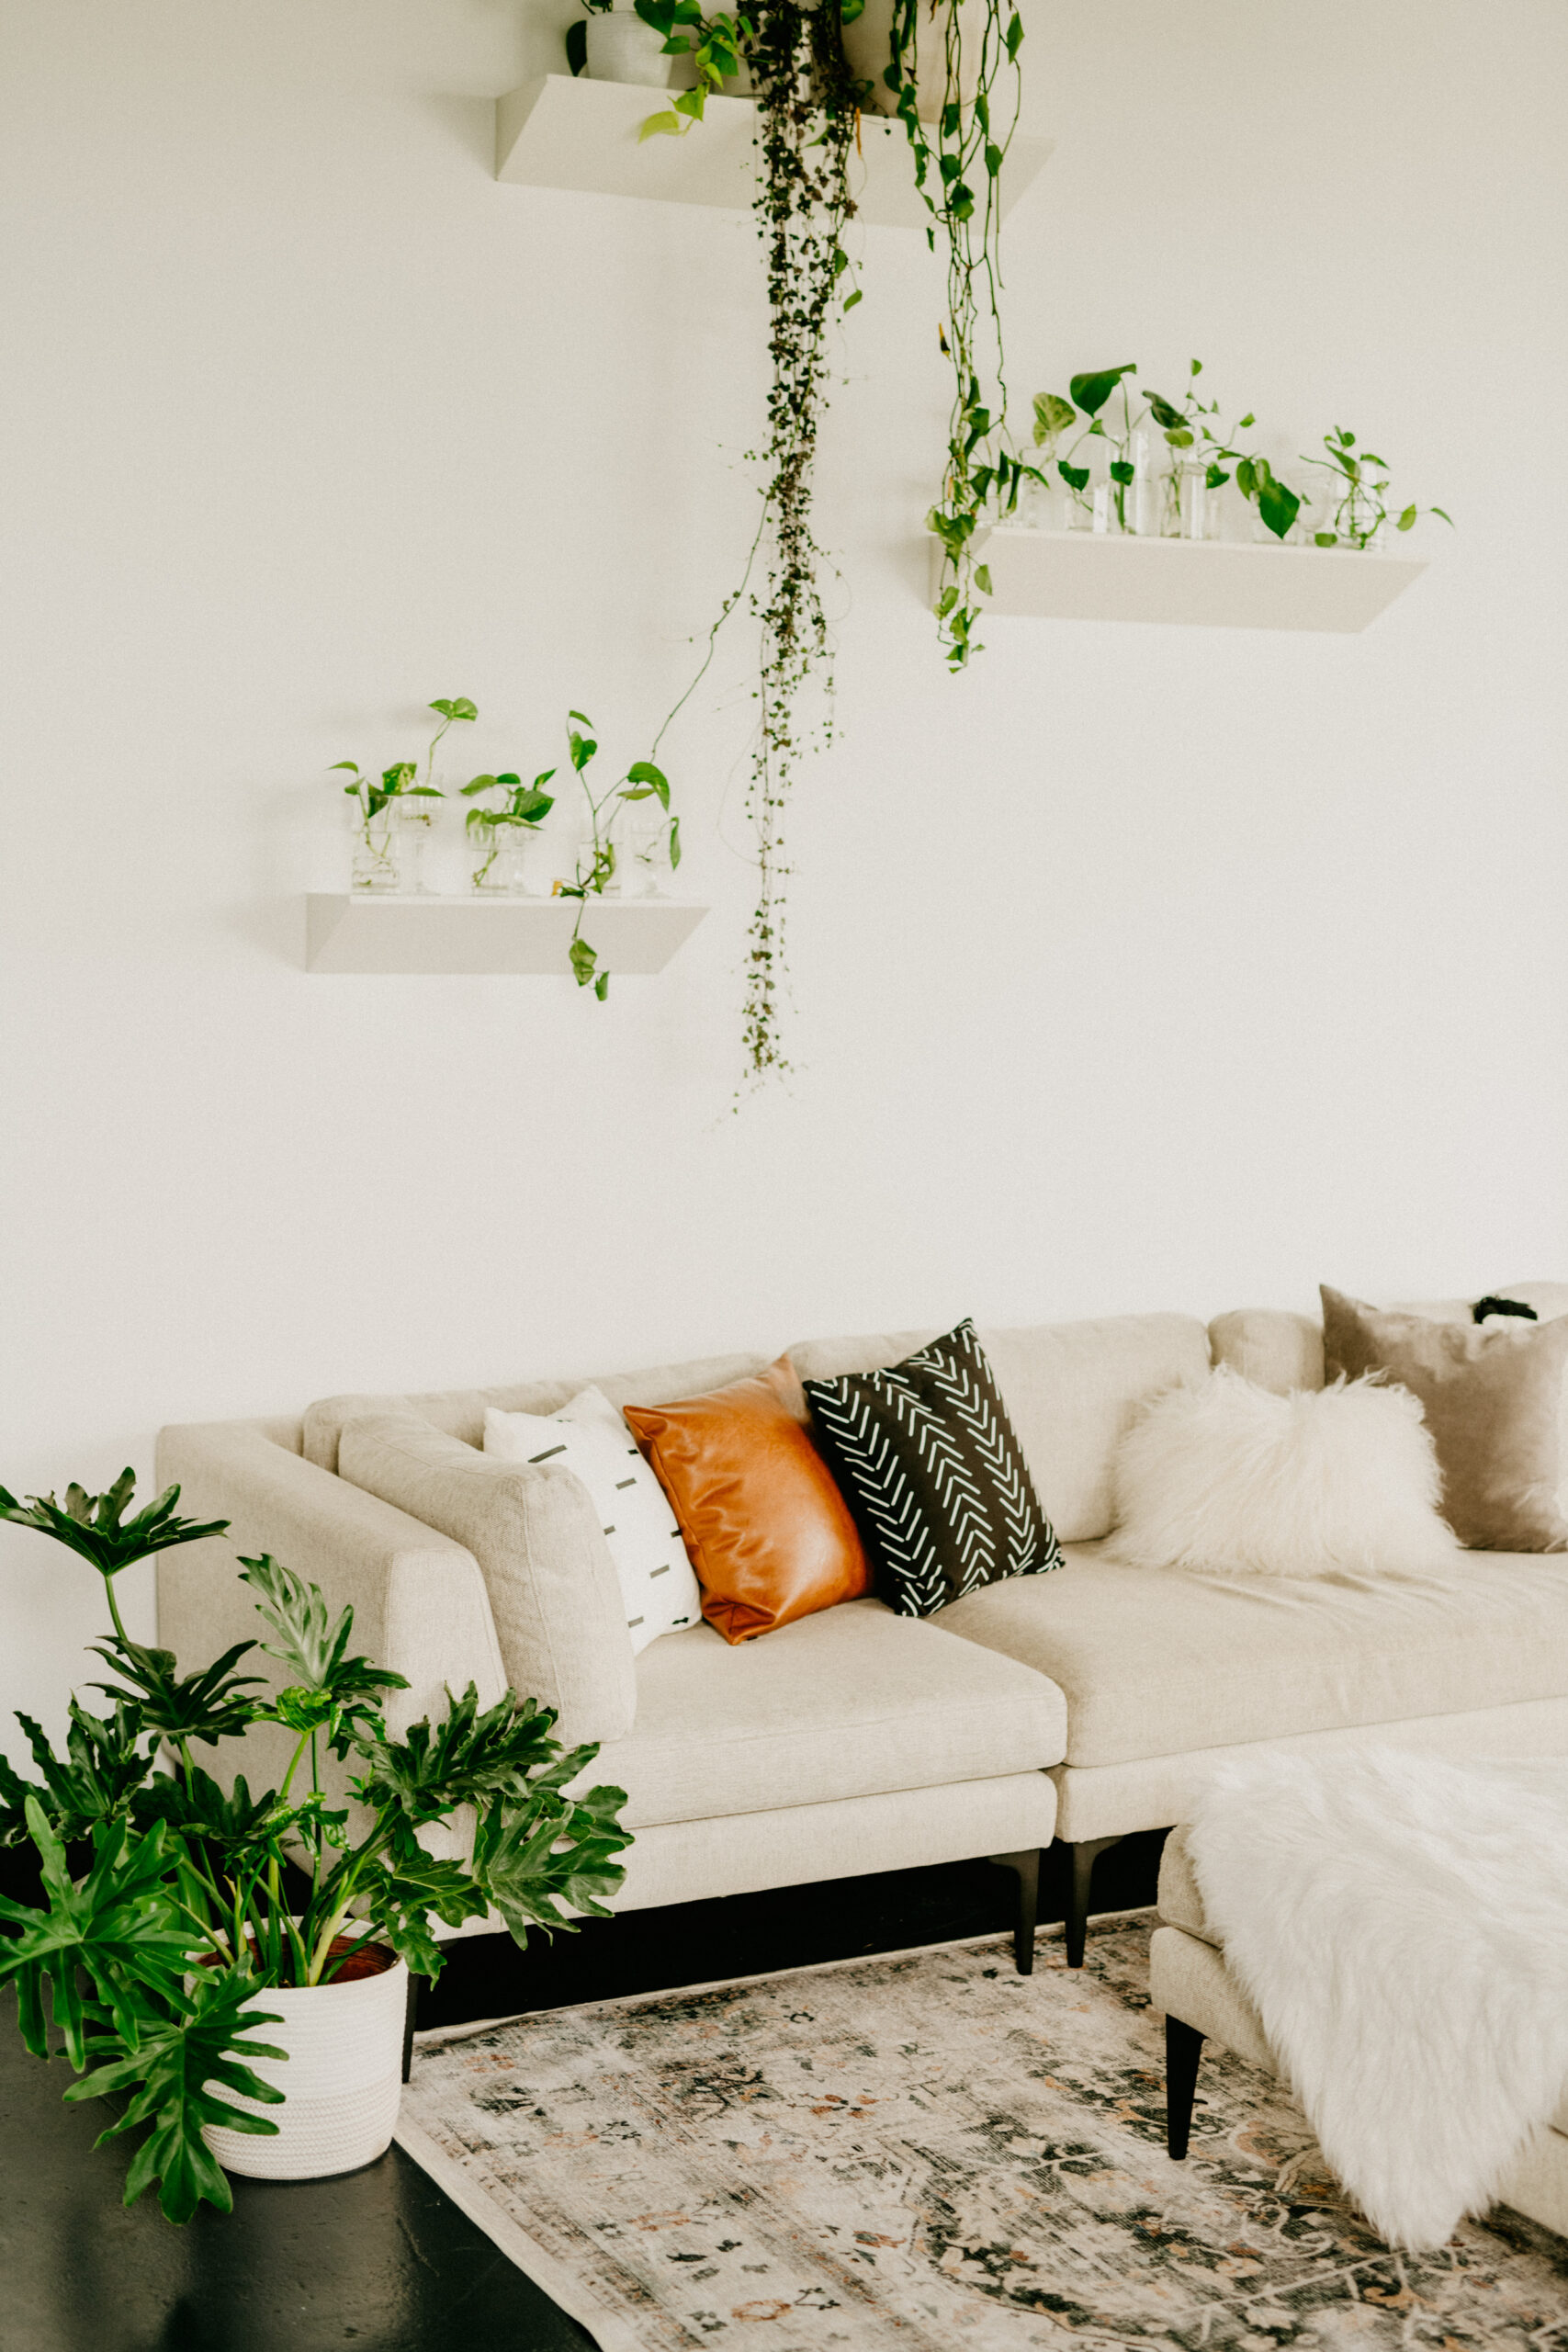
x,y
1087,1704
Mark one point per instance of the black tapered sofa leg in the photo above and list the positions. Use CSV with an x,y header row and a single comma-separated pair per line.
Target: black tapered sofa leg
x,y
1025,1866
1182,2045
1085,1854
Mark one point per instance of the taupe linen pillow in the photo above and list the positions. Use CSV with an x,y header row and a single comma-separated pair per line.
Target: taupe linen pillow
x,y
1493,1397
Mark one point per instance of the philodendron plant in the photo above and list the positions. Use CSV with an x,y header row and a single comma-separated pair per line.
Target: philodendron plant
x,y
171,1903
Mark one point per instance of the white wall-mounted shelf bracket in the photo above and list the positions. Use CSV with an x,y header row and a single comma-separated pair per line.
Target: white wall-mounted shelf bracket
x,y
363,931
1206,583
561,133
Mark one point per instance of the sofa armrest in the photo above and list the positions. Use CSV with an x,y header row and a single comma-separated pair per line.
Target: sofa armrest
x,y
420,1603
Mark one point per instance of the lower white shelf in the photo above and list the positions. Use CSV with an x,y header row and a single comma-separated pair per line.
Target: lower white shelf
x,y
364,931
1206,583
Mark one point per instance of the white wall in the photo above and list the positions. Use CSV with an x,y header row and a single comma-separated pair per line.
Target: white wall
x,y
1138,967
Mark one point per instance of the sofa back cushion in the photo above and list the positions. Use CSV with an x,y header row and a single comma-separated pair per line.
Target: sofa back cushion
x,y
461,1412
554,1593
1070,1390
1274,1350
1281,1351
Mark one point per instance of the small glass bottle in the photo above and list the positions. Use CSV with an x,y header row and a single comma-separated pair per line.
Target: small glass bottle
x,y
1140,497
374,864
413,821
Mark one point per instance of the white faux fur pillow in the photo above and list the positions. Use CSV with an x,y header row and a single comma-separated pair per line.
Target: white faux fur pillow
x,y
1232,1478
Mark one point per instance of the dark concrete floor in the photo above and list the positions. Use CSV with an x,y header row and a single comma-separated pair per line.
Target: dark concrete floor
x,y
381,2260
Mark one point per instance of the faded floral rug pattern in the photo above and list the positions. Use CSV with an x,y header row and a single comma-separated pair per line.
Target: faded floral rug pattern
x,y
929,2150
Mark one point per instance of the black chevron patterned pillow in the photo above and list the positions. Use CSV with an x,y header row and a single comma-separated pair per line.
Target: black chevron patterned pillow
x,y
926,1454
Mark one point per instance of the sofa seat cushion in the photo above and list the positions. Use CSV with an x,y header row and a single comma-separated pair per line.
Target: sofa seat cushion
x,y
851,1701
1156,1662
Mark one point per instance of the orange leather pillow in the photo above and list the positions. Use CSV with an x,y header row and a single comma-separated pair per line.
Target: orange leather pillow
x,y
769,1533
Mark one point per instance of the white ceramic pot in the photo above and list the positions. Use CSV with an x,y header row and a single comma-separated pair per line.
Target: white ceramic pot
x,y
867,45
342,2082
621,48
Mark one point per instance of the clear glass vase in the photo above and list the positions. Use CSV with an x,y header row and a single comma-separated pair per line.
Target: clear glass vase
x,y
413,824
374,849
489,860
1137,503
642,857
1191,508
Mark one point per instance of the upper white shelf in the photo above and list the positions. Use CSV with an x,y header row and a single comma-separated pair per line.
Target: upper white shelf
x,y
364,931
1208,584
561,133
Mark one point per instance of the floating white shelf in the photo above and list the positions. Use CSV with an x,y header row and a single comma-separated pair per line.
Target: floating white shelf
x,y
361,932
1209,583
561,133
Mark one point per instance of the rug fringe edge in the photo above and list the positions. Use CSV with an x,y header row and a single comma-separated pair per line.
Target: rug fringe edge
x,y
609,2331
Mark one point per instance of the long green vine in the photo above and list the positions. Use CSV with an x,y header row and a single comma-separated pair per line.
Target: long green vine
x,y
807,113
958,165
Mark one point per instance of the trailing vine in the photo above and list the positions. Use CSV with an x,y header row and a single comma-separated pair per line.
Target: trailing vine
x,y
958,165
806,114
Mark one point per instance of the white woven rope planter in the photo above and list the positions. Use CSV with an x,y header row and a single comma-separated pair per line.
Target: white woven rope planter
x,y
342,2083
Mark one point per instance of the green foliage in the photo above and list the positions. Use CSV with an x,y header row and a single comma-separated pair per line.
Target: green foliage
x,y
1359,485
1092,392
151,1963
94,1527
958,165
208,1705
177,2071
104,1766
597,864
806,130
1193,424
715,45
118,1923
349,1689
400,781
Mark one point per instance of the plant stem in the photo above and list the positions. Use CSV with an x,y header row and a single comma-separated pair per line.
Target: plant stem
x,y
114,1607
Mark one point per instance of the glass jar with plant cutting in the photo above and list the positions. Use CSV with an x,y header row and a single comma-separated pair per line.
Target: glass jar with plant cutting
x,y
393,818
499,837
1357,513
1200,460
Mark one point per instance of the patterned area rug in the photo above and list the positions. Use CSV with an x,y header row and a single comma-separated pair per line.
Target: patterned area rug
x,y
926,2152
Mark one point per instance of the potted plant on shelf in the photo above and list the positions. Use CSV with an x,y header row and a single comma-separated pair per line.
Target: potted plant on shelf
x,y
610,44
716,48
499,837
180,1919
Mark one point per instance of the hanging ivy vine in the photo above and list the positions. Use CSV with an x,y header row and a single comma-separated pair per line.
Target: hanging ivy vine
x,y
806,114
958,165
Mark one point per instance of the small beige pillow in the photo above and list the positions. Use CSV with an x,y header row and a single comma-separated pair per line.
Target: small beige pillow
x,y
1492,1395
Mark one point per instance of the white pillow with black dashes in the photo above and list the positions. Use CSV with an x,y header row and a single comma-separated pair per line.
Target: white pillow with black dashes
x,y
589,1438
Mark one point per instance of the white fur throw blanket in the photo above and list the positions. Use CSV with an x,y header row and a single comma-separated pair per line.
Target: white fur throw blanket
x,y
1401,1924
